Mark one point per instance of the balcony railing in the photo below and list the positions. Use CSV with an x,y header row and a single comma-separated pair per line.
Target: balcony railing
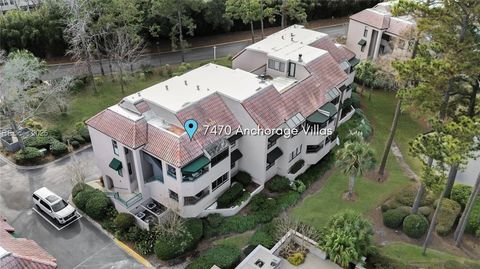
x,y
192,200
192,177
127,202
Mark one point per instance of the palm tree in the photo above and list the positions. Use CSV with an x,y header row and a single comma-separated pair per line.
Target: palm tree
x,y
354,159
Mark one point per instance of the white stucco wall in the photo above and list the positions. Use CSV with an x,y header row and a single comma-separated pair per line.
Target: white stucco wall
x,y
355,34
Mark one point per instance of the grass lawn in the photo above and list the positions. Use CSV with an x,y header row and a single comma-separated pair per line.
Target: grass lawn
x,y
239,240
86,104
407,254
316,209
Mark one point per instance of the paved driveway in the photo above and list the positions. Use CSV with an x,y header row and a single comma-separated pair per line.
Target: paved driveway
x,y
79,245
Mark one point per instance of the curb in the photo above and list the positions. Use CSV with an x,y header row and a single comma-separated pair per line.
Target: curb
x,y
33,167
129,251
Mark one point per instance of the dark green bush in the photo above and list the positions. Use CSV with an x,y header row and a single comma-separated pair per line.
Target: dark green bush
x,y
83,132
230,196
355,100
415,226
261,202
225,257
97,206
384,207
184,241
82,197
473,224
80,187
264,236
425,210
299,186
316,171
147,242
55,133
75,144
134,234
243,178
278,184
393,218
124,221
78,138
214,220
58,148
39,142
461,194
28,155
296,166
447,216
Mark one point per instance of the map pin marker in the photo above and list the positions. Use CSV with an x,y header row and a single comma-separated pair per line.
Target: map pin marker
x,y
190,126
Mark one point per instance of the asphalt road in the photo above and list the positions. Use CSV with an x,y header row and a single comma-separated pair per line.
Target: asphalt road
x,y
80,245
175,57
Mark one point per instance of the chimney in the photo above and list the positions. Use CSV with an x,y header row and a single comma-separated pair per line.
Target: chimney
x,y
299,57
186,83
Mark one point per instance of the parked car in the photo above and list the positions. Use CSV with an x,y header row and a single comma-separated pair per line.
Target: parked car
x,y
53,205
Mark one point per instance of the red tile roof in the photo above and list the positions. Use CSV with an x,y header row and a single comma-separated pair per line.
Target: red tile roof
x,y
267,108
399,27
372,18
175,150
133,133
26,253
142,107
340,54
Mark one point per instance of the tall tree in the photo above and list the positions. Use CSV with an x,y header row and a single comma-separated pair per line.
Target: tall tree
x,y
462,223
248,11
291,10
354,159
177,13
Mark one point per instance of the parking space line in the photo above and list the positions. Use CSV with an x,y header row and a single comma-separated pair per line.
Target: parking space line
x,y
78,216
95,253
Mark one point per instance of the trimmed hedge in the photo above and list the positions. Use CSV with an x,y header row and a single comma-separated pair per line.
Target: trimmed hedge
x,y
262,202
461,194
79,187
124,221
278,184
172,247
82,197
58,148
225,257
98,205
55,133
83,132
214,220
407,196
39,142
425,210
447,216
231,195
393,218
28,155
243,178
415,226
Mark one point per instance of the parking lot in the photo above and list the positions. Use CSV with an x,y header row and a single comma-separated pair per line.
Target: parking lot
x,y
79,245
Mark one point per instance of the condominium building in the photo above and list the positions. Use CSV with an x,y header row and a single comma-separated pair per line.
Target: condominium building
x,y
374,32
7,5
296,81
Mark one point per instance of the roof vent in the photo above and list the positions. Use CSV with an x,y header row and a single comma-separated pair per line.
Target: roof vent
x,y
139,94
198,87
283,37
299,57
166,87
291,36
186,82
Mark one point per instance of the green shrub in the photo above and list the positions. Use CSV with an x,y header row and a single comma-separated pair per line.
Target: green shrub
x,y
82,197
55,133
124,221
80,187
184,241
355,99
425,210
58,148
296,258
385,207
415,226
28,155
473,224
195,228
77,85
264,236
225,257
230,196
39,142
447,216
214,220
78,138
278,184
147,242
296,166
83,132
405,209
243,178
461,194
261,202
97,206
75,144
298,186
407,196
393,218
316,171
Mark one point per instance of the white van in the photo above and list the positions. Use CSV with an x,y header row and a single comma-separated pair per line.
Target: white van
x,y
52,204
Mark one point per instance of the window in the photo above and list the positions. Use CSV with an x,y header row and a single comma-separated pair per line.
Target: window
x,y
115,147
59,206
276,65
272,140
220,157
129,168
269,165
365,32
295,153
120,173
219,181
45,204
171,171
126,150
191,200
35,197
232,165
314,148
291,69
173,195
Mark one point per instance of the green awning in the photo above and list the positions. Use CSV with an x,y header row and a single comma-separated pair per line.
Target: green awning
x,y
115,164
317,117
273,155
235,156
362,42
195,165
330,108
353,62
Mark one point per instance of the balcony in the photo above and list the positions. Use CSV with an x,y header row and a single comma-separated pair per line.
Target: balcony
x,y
192,200
125,198
195,169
